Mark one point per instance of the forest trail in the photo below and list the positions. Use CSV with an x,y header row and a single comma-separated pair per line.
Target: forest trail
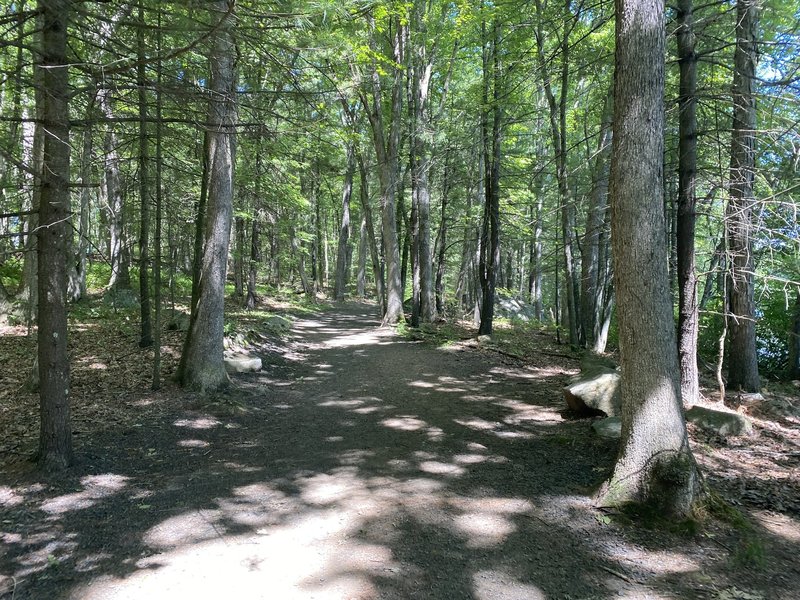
x,y
362,465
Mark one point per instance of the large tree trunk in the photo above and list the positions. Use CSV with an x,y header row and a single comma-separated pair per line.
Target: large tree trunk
x,y
655,464
742,357
340,283
201,365
55,435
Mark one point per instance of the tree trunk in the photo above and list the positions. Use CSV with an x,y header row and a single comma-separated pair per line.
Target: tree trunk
x,y
255,257
655,464
742,357
557,110
238,258
113,195
340,284
421,71
387,148
489,264
201,365
380,292
55,435
146,330
76,287
592,281
361,275
688,317
793,370
441,241
157,287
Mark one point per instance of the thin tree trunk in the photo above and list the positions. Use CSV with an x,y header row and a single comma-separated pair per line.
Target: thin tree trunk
x,y
592,285
146,333
441,240
55,434
340,284
238,258
742,357
201,365
361,276
688,317
489,264
380,292
655,464
157,287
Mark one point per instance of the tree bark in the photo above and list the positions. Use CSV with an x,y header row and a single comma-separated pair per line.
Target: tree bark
x,y
592,275
146,326
55,434
387,146
688,316
201,365
489,263
742,357
366,210
340,283
655,464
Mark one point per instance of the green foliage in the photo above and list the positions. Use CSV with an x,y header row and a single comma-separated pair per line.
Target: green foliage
x,y
11,272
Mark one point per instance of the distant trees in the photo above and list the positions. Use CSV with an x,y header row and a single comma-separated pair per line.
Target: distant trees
x,y
485,126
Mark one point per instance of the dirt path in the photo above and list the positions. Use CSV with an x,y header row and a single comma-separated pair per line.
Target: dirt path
x,y
362,466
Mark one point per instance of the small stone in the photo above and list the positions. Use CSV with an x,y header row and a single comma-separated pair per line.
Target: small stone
x,y
242,363
721,422
610,428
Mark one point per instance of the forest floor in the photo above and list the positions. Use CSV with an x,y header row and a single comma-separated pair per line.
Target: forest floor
x,y
360,464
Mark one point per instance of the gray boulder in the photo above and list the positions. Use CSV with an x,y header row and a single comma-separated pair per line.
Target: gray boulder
x,y
595,391
277,325
242,363
721,422
610,427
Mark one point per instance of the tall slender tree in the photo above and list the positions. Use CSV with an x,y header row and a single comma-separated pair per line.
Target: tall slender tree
x,y
742,357
655,464
201,366
55,435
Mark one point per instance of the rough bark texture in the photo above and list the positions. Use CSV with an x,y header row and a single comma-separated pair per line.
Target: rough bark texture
x,y
489,261
387,153
655,464
146,326
742,357
421,72
201,365
593,272
55,436
688,319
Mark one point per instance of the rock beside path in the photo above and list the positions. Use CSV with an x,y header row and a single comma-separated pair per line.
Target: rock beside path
x,y
242,363
721,422
595,391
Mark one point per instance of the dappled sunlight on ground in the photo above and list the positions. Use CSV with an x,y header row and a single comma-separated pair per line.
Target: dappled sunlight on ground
x,y
360,466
